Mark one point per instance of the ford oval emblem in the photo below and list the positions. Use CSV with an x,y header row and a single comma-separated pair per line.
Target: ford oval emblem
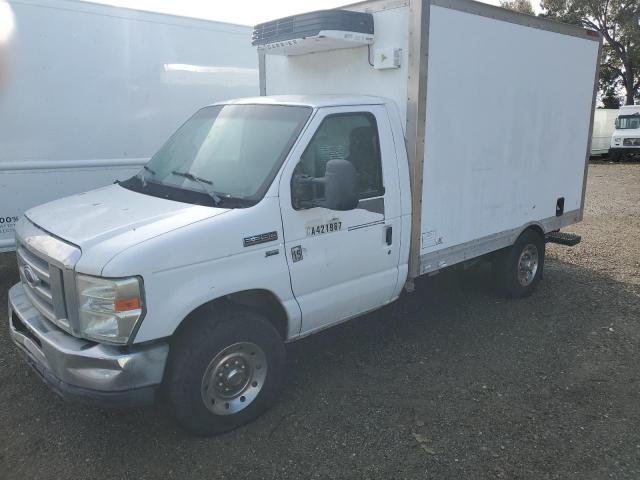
x,y
30,276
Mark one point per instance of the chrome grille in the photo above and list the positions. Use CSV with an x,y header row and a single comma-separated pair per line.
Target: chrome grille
x,y
631,142
43,285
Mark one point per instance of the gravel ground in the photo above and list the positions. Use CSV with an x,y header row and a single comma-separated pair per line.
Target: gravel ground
x,y
449,382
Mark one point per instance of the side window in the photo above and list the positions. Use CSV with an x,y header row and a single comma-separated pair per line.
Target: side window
x,y
347,136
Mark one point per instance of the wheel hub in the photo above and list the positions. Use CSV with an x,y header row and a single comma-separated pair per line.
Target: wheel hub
x,y
528,265
234,378
232,375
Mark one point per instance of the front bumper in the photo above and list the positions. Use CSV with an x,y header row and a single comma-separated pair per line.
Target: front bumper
x,y
624,150
77,369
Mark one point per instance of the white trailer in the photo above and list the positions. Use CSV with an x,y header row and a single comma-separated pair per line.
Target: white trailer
x,y
604,123
94,90
393,139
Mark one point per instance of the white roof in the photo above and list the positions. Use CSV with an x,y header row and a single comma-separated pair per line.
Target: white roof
x,y
315,101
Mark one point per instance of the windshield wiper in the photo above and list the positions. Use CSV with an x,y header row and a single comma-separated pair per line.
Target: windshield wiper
x,y
203,182
141,177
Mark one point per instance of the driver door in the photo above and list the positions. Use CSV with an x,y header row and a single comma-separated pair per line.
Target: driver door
x,y
343,263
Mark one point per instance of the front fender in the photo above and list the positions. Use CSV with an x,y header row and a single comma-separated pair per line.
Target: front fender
x,y
169,302
186,268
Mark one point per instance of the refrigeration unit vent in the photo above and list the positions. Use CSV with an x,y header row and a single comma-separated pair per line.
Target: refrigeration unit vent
x,y
314,32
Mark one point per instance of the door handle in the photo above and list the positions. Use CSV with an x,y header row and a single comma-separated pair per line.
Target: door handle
x,y
389,235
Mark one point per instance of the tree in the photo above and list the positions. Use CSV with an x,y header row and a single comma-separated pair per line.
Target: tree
x,y
610,82
522,6
617,21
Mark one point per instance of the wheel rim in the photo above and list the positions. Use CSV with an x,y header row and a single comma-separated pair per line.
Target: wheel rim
x,y
234,378
528,265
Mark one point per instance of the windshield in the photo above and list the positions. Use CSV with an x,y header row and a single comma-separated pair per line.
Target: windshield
x,y
224,154
624,122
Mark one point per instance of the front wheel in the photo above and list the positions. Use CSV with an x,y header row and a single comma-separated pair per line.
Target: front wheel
x,y
518,269
224,371
615,156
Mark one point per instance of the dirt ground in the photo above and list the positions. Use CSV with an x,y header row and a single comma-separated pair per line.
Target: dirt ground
x,y
451,382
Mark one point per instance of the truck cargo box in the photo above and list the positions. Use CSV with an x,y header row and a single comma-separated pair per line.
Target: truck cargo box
x,y
497,108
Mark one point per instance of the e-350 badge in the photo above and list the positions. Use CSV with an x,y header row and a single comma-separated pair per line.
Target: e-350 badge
x,y
261,238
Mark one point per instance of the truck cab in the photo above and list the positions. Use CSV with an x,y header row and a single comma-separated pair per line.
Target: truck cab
x,y
625,139
283,213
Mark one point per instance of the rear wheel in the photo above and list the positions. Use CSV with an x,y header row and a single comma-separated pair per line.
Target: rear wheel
x,y
224,372
518,269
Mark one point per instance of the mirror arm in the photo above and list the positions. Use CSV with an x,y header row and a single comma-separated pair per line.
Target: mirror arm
x,y
308,180
307,204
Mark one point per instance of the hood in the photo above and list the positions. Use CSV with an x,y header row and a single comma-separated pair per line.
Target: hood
x,y
627,132
115,213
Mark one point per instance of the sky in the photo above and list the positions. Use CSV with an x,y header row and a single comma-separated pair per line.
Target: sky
x,y
246,12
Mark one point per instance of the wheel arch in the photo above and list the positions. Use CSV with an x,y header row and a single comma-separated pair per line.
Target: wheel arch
x,y
262,301
533,226
536,227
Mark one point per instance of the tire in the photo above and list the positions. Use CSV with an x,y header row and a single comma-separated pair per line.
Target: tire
x,y
519,268
615,156
240,347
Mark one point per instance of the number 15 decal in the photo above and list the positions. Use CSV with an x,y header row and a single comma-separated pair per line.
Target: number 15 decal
x,y
296,253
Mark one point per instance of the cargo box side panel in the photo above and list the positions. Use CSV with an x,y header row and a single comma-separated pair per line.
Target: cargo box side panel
x,y
508,118
347,71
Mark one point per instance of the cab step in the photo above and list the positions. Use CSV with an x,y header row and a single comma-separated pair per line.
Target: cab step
x,y
562,238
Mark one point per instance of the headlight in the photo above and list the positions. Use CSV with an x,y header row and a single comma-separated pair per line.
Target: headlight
x,y
109,309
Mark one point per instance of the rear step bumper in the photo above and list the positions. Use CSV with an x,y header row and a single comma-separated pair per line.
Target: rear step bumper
x,y
562,238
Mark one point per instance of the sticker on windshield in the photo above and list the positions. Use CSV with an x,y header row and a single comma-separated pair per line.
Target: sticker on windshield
x,y
320,228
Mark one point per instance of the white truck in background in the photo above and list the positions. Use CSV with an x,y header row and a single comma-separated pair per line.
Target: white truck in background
x,y
262,220
625,140
94,90
603,126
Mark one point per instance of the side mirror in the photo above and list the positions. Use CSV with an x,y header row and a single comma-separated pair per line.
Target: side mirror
x,y
617,124
340,185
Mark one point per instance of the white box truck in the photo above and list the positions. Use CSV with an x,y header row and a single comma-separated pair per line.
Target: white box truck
x,y
395,139
94,90
625,139
604,121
